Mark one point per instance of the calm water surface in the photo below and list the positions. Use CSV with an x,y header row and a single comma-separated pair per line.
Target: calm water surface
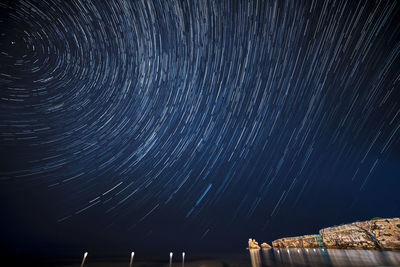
x,y
323,257
266,257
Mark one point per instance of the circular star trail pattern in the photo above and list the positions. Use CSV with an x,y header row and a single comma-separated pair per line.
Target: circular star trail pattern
x,y
130,108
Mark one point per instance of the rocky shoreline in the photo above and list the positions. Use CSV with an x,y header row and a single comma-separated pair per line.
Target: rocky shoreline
x,y
378,233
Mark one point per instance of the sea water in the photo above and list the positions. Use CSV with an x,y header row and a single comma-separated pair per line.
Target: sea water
x,y
260,258
323,257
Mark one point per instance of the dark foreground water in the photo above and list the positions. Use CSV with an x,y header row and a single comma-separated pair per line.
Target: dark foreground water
x,y
266,257
323,257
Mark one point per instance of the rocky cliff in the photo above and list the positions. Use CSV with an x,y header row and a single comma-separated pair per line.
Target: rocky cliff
x,y
305,241
371,234
253,244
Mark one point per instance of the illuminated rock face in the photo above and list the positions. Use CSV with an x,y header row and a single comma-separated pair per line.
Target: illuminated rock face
x,y
347,236
253,244
305,241
372,234
265,245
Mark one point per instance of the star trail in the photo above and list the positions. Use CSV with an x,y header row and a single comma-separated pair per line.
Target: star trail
x,y
218,112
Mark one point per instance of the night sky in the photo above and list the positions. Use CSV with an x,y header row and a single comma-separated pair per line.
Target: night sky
x,y
145,126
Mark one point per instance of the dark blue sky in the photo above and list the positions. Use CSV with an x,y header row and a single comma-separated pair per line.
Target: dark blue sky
x,y
161,125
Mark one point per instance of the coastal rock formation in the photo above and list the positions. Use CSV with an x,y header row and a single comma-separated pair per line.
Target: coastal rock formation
x,y
253,244
305,241
265,245
371,234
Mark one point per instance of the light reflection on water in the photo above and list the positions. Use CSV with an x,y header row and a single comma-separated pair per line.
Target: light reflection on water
x,y
323,257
